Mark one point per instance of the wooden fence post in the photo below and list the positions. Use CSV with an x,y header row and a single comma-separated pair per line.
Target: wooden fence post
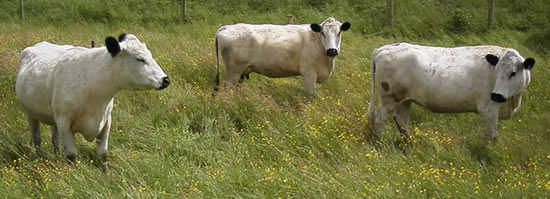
x,y
289,19
490,15
21,10
389,12
183,9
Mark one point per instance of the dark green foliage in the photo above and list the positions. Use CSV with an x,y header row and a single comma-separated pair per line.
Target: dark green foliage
x,y
419,18
459,22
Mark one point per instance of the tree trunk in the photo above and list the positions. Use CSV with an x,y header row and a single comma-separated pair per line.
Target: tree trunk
x,y
183,9
389,12
490,15
21,10
289,19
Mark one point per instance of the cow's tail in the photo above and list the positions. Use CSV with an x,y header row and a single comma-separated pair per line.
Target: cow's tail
x,y
217,79
370,110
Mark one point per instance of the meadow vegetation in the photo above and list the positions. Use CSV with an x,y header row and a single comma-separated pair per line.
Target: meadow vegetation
x,y
266,139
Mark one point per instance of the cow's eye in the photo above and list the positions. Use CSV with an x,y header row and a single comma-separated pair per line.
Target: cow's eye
x,y
512,74
141,60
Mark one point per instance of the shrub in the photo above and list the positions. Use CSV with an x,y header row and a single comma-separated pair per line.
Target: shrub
x,y
459,22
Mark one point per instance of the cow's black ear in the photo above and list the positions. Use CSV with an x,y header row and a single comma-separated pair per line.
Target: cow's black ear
x,y
345,26
492,59
529,63
121,37
315,27
112,45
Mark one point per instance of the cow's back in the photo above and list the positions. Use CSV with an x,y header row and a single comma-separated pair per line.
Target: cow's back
x,y
33,86
272,50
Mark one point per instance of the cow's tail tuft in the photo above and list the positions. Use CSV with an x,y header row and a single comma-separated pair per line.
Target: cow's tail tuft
x,y
370,110
217,79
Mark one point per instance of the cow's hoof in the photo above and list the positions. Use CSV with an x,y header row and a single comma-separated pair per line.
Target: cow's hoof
x,y
71,159
105,167
492,141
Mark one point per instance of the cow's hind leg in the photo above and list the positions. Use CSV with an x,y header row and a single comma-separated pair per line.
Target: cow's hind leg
x,y
233,71
382,115
34,126
243,76
232,80
401,119
233,75
55,138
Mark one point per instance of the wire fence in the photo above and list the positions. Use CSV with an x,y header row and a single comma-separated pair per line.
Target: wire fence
x,y
182,4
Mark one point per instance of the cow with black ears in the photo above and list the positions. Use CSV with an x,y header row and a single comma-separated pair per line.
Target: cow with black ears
x,y
308,50
488,80
72,88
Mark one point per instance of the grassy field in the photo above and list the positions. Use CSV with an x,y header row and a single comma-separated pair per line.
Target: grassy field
x,y
266,139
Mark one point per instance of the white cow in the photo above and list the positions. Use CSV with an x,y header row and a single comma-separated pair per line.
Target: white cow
x,y
488,80
72,88
308,50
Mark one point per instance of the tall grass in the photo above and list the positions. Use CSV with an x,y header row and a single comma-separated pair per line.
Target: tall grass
x,y
266,139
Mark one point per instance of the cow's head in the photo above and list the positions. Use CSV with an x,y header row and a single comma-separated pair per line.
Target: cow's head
x,y
513,74
331,37
138,69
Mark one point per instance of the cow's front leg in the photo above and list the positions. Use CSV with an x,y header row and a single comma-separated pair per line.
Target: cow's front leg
x,y
490,121
310,84
102,144
67,137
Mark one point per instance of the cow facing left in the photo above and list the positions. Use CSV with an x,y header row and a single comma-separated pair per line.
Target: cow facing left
x,y
72,88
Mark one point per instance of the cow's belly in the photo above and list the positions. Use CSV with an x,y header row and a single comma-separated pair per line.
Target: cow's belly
x,y
272,62
274,70
452,107
445,100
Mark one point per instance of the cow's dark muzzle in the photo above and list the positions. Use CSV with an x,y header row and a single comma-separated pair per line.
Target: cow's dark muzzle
x,y
498,98
332,52
165,82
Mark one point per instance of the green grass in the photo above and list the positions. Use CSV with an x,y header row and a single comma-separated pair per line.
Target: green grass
x,y
266,139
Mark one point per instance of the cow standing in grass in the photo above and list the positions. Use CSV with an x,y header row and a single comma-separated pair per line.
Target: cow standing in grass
x,y
72,88
488,80
308,50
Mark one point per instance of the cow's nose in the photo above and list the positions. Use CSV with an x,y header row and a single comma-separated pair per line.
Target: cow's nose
x,y
498,98
165,82
332,52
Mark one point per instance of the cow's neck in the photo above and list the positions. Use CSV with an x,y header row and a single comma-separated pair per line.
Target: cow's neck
x,y
104,77
515,102
509,107
325,68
